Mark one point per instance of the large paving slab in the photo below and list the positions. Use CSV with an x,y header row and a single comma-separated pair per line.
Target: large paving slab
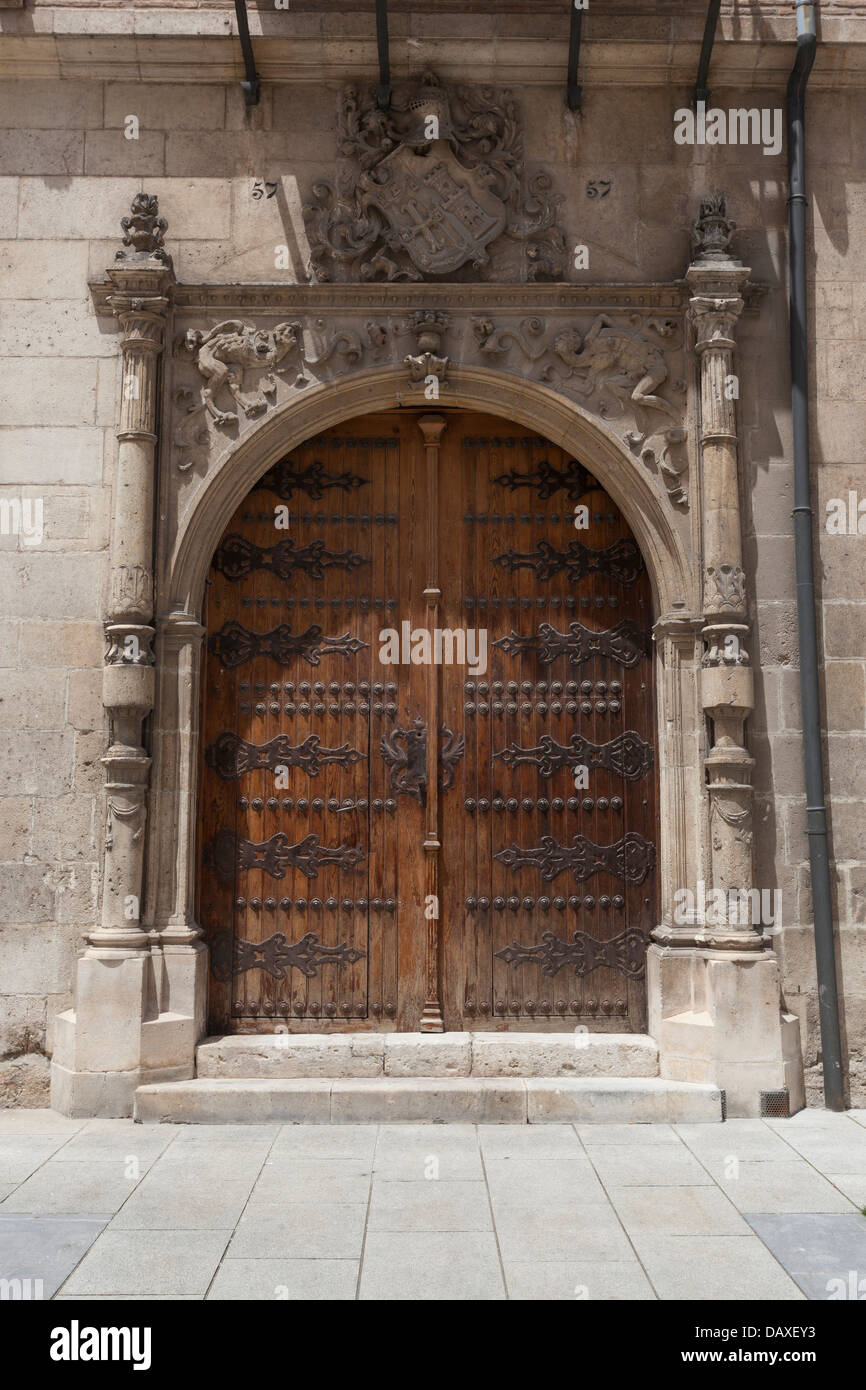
x,y
304,1231
186,1198
676,1211
573,1280
430,1212
710,1268
825,1254
787,1186
659,1165
432,1266
146,1263
42,1251
287,1280
73,1188
433,1205
22,1154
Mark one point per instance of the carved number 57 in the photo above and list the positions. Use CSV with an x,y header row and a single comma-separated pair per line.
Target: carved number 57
x,y
598,188
263,189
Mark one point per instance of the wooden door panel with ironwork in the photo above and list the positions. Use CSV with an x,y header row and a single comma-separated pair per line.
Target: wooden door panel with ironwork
x,y
301,865
548,877
320,837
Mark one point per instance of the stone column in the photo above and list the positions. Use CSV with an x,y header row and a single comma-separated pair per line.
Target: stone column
x,y
128,678
727,685
678,653
178,953
101,1052
714,985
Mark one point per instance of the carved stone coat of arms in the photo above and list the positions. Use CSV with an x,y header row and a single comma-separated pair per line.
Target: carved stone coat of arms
x,y
429,187
441,214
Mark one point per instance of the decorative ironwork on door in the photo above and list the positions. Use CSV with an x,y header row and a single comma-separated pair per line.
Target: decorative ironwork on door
x,y
553,861
355,870
302,858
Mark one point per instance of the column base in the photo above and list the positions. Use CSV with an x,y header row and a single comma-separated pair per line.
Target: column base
x,y
105,1094
115,1040
717,1017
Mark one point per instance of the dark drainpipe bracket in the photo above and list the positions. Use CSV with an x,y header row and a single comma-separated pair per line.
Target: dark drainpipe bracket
x,y
251,84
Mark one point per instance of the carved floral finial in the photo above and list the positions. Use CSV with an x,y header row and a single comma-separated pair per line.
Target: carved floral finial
x,y
712,230
144,231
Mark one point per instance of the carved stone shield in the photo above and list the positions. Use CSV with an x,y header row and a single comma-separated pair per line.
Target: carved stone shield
x,y
439,212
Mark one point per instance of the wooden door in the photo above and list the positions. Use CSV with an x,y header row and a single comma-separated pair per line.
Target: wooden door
x,y
346,798
548,879
307,845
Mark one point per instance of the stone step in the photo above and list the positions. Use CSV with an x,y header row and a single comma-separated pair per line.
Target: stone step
x,y
290,1056
428,1100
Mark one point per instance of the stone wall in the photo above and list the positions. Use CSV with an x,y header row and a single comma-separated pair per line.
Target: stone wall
x,y
67,174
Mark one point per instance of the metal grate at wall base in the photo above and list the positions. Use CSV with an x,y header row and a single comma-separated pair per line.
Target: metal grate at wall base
x,y
775,1105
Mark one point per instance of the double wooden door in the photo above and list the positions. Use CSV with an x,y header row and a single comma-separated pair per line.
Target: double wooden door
x,y
428,779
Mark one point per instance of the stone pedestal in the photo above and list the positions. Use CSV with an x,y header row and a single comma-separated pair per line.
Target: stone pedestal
x,y
716,1017
108,1044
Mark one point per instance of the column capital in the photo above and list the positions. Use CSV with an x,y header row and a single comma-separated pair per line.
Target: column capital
x,y
714,314
715,277
432,428
178,628
679,627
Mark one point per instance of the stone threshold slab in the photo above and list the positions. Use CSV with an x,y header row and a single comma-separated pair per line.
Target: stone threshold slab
x,y
336,1056
428,1100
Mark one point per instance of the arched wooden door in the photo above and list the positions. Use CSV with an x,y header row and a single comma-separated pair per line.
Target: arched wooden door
x,y
425,688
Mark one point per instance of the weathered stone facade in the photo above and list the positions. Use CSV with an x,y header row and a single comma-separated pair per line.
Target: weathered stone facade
x,y
143,392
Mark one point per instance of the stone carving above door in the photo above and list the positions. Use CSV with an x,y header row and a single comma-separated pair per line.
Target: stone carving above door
x,y
624,363
433,187
223,352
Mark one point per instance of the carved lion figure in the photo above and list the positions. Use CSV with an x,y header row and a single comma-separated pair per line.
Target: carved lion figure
x,y
223,353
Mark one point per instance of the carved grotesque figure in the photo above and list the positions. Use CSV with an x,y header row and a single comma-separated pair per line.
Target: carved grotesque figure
x,y
621,360
144,231
223,353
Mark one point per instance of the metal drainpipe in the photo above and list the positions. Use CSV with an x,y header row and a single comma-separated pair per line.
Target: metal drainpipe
x,y
816,815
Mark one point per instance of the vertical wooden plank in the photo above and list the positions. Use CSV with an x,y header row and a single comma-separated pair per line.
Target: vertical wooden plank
x,y
431,427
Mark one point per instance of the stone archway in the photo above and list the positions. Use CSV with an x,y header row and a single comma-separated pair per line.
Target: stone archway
x,y
673,576
169,905
408,782
672,470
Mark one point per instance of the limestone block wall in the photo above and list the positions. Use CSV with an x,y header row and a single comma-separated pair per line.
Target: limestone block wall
x,y
67,175
837,259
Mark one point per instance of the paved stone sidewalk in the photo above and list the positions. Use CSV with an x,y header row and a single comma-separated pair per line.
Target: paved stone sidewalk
x,y
752,1209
